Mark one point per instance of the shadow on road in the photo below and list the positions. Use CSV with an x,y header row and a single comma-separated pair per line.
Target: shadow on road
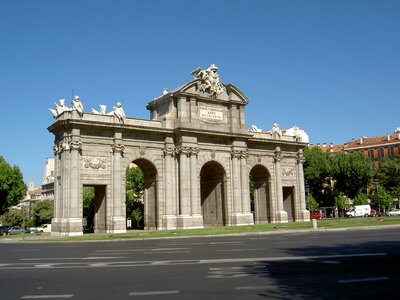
x,y
345,271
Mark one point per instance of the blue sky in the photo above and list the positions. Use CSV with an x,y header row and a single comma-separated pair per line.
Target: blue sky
x,y
330,67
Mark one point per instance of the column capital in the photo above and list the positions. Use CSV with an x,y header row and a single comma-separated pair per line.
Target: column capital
x,y
239,154
184,150
75,145
169,151
118,148
278,156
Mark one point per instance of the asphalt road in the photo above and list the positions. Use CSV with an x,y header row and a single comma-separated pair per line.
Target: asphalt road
x,y
313,265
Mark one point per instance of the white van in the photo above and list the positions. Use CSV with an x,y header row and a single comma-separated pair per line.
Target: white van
x,y
359,211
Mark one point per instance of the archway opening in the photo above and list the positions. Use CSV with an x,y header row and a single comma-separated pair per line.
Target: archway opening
x,y
94,208
141,193
260,194
212,189
288,202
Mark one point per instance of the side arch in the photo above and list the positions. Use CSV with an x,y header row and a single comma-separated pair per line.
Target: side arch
x,y
213,194
150,194
261,195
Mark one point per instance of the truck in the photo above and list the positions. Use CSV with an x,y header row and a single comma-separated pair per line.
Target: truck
x,y
359,211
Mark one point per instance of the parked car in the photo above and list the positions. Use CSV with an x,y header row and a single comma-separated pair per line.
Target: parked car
x,y
3,230
394,212
16,230
316,215
44,228
373,213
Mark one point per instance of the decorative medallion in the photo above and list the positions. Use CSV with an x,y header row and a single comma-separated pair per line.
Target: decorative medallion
x,y
93,162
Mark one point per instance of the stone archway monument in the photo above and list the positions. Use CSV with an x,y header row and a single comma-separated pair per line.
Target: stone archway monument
x,y
196,154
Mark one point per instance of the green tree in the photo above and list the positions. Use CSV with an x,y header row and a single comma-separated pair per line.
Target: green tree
x,y
42,211
318,174
381,199
88,204
134,191
360,199
352,173
12,186
311,204
341,202
14,217
389,173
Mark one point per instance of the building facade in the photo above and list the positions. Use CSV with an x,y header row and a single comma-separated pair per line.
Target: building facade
x,y
374,147
196,156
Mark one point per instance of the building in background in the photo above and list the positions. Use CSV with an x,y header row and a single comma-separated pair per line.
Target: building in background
x,y
48,179
375,147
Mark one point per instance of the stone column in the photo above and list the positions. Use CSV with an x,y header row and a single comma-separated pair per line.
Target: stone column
x,y
280,214
244,183
197,218
184,187
237,203
169,219
118,219
303,214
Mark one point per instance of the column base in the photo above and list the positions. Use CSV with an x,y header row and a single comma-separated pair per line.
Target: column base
x,y
169,222
190,222
241,219
303,216
281,217
66,227
118,225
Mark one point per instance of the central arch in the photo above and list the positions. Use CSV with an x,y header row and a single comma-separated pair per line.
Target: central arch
x,y
150,193
212,187
261,194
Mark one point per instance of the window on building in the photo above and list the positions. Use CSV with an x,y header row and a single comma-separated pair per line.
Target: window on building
x,y
381,152
371,153
391,151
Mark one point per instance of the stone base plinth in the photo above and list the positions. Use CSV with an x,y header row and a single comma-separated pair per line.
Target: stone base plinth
x,y
169,222
118,225
303,216
281,217
188,222
66,227
240,219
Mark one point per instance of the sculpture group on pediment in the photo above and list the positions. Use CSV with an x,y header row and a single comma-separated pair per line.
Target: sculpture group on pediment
x,y
210,81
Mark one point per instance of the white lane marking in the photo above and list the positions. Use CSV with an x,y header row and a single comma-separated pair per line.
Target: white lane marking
x,y
46,296
362,279
118,264
161,252
283,258
26,250
102,257
153,293
239,288
238,250
169,249
224,243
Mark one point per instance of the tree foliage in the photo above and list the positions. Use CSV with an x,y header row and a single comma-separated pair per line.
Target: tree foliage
x,y
317,172
134,193
341,202
311,204
360,199
42,211
12,186
15,217
352,173
381,199
389,174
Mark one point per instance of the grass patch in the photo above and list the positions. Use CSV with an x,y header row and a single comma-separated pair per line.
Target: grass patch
x,y
259,228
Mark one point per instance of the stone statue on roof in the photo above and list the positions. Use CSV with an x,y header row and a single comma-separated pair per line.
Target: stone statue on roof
x,y
59,108
77,105
118,112
210,82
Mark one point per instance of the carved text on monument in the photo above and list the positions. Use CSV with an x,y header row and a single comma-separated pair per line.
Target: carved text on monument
x,y
211,113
